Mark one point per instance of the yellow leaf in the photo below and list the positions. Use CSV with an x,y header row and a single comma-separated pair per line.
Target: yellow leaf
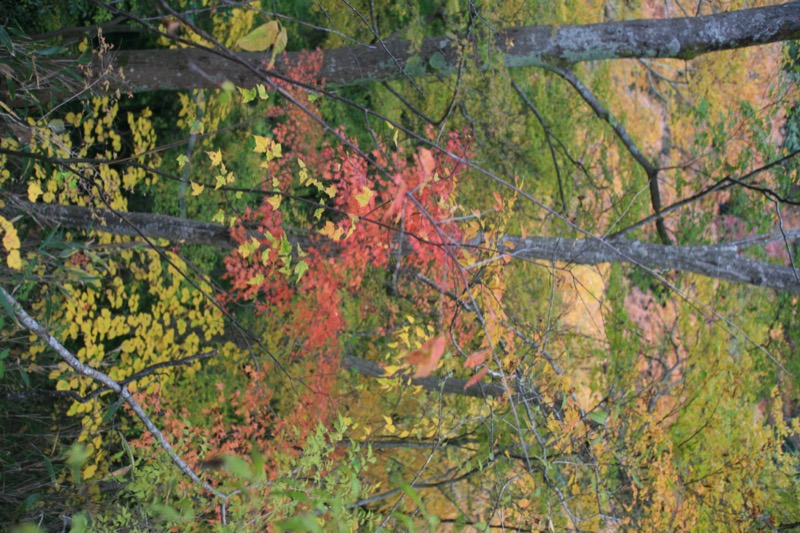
x,y
248,248
280,46
260,38
219,217
262,143
390,370
62,385
365,196
280,42
256,280
10,239
275,153
197,188
89,471
332,231
215,157
34,191
275,201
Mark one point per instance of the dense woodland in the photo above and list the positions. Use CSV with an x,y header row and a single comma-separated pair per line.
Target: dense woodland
x,y
416,265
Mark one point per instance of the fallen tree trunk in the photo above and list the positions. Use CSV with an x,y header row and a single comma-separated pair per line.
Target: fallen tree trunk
x,y
529,46
720,261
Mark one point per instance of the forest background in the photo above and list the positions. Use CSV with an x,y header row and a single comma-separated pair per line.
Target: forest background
x,y
403,265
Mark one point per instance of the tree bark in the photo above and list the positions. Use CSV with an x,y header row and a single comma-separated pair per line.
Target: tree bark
x,y
530,46
720,261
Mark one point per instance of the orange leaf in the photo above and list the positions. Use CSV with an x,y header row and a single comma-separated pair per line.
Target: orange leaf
x,y
476,378
427,164
498,206
402,189
427,357
476,358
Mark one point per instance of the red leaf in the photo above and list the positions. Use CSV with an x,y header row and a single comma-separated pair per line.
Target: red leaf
x,y
476,378
427,357
476,358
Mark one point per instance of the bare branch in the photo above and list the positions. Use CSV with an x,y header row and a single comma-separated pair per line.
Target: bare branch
x,y
92,373
650,169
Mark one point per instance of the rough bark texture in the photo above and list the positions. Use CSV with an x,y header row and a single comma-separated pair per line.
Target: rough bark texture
x,y
715,261
541,46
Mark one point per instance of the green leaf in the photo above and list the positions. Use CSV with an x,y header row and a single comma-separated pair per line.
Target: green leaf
x,y
260,38
280,42
77,456
286,246
5,40
248,95
238,467
50,470
599,416
437,61
3,356
300,269
405,519
409,490
7,306
167,512
24,375
53,50
27,528
80,523
304,522
110,412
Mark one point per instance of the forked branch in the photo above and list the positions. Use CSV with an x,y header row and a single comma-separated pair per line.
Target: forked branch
x,y
37,329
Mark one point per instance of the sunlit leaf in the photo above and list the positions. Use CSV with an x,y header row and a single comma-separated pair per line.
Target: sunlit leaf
x,y
34,191
275,201
262,144
427,357
260,38
365,196
477,377
215,157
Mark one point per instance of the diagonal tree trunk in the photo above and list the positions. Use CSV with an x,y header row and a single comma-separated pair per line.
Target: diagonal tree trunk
x,y
721,261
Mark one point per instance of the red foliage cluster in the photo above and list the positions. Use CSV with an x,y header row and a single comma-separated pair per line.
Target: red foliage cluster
x,y
377,199
370,201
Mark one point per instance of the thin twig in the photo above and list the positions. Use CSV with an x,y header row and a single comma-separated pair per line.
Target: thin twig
x,y
92,373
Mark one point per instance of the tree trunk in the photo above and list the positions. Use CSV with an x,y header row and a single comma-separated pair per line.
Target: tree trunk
x,y
531,46
721,261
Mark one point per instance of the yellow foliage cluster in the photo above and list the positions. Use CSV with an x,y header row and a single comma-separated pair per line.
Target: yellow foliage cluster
x,y
124,327
120,308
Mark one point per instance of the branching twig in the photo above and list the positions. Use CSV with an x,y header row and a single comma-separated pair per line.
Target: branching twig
x,y
92,373
604,114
